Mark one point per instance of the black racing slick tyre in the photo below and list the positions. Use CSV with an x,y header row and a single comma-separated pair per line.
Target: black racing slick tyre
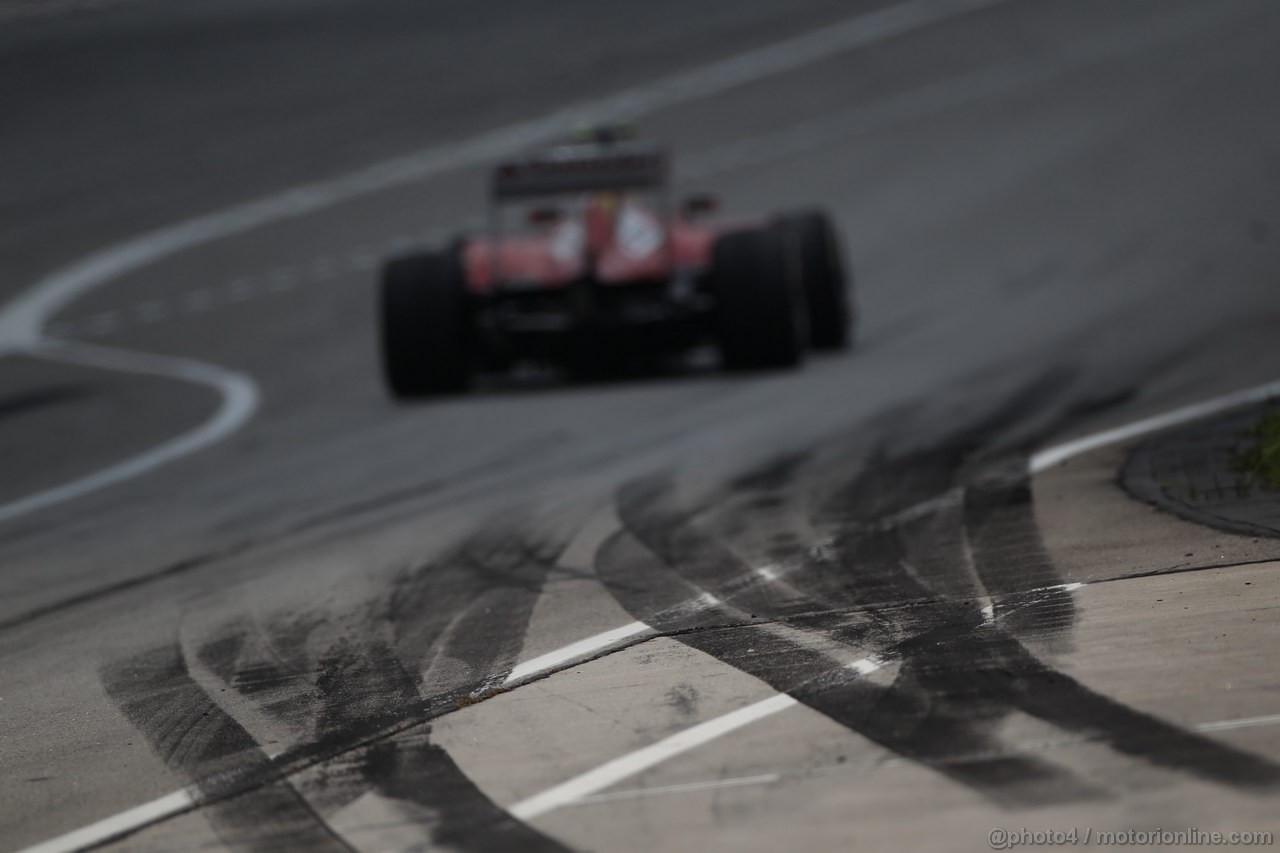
x,y
827,284
426,326
760,314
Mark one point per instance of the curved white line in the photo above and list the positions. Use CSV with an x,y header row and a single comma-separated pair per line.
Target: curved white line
x,y
1060,453
239,401
22,321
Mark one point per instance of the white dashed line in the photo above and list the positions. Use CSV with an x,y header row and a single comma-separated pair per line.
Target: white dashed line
x,y
102,324
240,289
362,261
151,311
244,288
322,268
194,301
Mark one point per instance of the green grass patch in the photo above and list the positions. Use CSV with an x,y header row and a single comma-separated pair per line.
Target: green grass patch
x,y
1259,461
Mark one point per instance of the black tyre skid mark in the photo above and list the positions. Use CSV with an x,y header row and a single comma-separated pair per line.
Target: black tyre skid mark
x,y
353,702
959,674
197,739
913,717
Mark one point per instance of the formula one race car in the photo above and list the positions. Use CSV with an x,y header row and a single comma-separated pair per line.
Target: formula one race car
x,y
584,265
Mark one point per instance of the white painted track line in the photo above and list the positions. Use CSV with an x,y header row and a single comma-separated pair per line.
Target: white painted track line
x,y
593,781
586,787
1242,723
22,321
1051,456
632,763
239,400
589,784
773,778
118,825
576,651
612,772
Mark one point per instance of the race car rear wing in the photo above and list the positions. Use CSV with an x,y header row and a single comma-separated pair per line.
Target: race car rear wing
x,y
580,168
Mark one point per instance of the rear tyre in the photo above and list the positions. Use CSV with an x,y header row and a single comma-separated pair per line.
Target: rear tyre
x,y
427,340
759,304
827,284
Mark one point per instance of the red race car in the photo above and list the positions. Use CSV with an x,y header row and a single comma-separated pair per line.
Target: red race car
x,y
584,264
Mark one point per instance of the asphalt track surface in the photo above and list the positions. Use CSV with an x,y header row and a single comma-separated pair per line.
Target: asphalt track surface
x,y
339,625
